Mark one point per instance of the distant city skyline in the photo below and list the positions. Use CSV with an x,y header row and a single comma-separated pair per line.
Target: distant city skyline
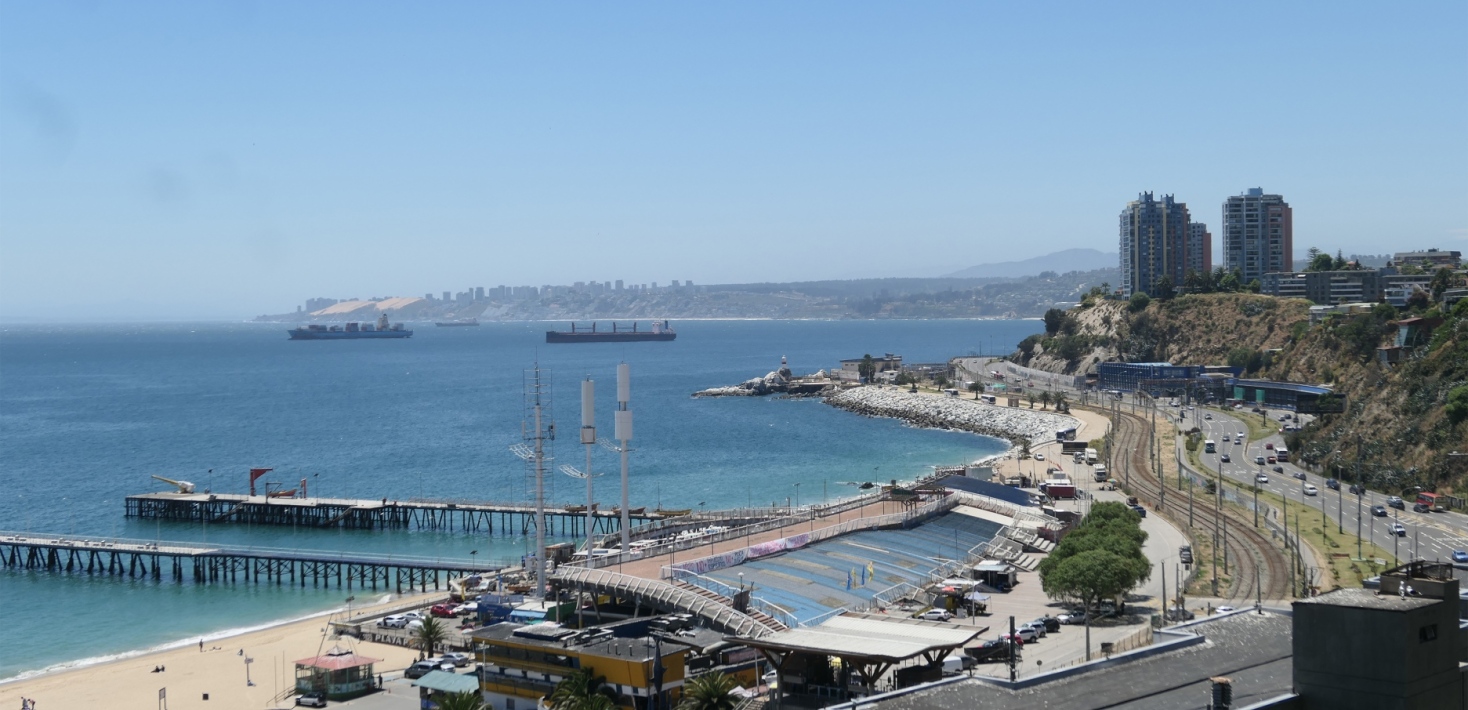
x,y
200,160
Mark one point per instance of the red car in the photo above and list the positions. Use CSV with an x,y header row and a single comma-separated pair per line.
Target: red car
x,y
1269,446
442,610
1271,459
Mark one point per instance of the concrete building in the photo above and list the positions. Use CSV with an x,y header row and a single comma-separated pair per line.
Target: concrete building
x,y
1430,259
850,369
1258,236
1154,243
1132,376
520,664
1397,648
1200,248
1327,288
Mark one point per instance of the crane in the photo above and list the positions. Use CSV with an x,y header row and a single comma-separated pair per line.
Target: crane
x,y
183,486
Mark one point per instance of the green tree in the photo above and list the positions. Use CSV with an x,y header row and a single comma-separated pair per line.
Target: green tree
x,y
976,388
583,690
1088,578
1030,397
1053,318
1139,302
1045,398
1231,282
467,700
1320,261
867,369
1061,404
1164,289
1255,286
1340,261
1442,281
1457,407
709,691
430,635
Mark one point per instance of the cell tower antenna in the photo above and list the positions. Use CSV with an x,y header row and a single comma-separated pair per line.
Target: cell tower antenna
x,y
622,427
538,432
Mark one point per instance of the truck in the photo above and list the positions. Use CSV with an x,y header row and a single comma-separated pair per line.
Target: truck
x,y
1101,473
1073,447
1058,487
1092,457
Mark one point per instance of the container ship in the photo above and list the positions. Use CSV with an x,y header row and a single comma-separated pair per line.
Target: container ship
x,y
659,331
351,331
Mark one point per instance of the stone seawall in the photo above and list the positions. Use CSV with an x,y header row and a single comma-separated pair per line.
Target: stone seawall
x,y
952,413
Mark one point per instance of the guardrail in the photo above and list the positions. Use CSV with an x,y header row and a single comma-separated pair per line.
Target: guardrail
x,y
729,591
720,616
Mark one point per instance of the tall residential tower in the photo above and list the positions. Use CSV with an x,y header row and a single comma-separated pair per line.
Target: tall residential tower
x,y
1154,244
1258,236
1200,248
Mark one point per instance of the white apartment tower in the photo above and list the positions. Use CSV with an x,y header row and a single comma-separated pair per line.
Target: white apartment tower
x,y
1258,236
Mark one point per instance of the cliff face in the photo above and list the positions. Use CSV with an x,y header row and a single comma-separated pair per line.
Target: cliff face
x,y
1409,416
1188,330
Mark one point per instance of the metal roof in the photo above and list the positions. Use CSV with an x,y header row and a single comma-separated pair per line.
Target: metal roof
x,y
1286,386
448,682
864,637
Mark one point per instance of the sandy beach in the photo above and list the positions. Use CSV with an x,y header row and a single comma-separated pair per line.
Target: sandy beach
x,y
218,670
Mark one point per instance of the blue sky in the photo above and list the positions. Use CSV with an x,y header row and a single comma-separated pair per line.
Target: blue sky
x,y
199,159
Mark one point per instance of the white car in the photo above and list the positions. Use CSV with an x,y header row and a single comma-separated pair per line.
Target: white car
x,y
1261,478
458,659
1028,634
936,615
1222,609
396,621
1039,457
1038,628
1311,490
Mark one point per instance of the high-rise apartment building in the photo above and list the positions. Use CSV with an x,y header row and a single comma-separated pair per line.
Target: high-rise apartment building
x,y
1258,236
1154,243
1200,248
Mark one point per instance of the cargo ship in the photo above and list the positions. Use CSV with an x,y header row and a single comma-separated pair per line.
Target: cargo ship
x,y
350,331
659,331
455,323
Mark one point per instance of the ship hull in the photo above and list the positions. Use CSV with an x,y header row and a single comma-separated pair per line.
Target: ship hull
x,y
344,335
555,336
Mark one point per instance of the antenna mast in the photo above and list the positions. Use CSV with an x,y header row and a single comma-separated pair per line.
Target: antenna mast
x,y
538,431
623,432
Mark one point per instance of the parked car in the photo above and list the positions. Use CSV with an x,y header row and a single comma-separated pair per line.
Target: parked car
x,y
458,659
991,651
311,700
1139,510
442,610
936,615
1039,629
1460,556
957,663
1039,457
1072,617
1379,511
1051,623
421,668
1332,484
1027,634
1178,613
1421,508
1396,502
414,624
1311,490
1224,458
1399,529
396,621
467,608
1222,609
1261,478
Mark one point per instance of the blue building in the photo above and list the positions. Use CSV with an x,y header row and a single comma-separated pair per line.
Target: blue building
x,y
1131,376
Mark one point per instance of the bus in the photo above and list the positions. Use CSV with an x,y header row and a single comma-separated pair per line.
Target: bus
x,y
1281,454
1066,434
1209,447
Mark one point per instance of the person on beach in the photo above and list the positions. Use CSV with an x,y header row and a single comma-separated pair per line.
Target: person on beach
x,y
201,645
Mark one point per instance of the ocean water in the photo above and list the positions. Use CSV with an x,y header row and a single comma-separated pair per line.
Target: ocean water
x,y
88,413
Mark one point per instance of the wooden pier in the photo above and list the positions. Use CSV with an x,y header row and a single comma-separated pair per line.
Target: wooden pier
x,y
385,513
206,564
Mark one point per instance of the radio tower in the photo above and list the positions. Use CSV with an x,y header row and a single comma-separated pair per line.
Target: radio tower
x,y
538,432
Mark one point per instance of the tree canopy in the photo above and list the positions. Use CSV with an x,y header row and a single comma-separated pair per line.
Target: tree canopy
x,y
1110,528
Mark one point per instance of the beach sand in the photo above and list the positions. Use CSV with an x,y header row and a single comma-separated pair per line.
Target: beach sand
x,y
219,670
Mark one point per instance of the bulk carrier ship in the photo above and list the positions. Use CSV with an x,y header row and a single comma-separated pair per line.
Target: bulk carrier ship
x,y
660,331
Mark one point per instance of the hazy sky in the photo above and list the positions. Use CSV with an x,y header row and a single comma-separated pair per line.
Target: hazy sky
x,y
229,159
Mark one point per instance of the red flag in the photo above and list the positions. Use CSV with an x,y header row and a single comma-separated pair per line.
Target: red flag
x,y
256,473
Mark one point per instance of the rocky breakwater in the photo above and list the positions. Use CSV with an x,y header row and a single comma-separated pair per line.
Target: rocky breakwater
x,y
952,413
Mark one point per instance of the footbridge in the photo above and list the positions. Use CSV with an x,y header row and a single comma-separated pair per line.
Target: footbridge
x,y
660,595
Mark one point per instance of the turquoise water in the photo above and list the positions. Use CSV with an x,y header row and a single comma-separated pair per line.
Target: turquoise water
x,y
87,413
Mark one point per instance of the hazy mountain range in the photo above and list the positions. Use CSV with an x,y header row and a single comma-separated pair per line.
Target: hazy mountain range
x,y
1059,262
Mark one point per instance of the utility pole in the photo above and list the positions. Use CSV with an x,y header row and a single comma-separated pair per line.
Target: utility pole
x,y
1359,490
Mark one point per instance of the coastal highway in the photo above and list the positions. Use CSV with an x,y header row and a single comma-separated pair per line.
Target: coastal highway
x,y
1430,536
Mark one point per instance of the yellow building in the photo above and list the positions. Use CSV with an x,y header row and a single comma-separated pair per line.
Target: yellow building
x,y
521,664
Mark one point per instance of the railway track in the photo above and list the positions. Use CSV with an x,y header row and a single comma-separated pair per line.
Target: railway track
x,y
1265,571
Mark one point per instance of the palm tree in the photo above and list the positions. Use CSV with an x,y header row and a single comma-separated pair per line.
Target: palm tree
x,y
467,700
1060,403
709,691
1044,399
430,634
583,690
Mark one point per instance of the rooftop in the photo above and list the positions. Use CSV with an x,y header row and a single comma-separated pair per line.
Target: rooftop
x,y
1291,386
1254,650
448,682
337,659
869,638
1369,599
602,641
